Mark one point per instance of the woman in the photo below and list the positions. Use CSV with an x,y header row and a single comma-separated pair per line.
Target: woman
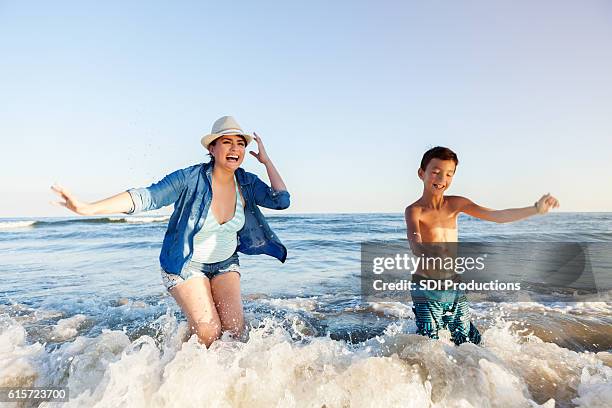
x,y
215,217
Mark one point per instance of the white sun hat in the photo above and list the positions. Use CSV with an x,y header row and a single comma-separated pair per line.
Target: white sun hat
x,y
225,125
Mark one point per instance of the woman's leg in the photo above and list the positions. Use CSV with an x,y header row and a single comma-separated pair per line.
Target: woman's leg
x,y
226,294
195,298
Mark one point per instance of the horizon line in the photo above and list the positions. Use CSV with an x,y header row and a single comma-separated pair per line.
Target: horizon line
x,y
267,214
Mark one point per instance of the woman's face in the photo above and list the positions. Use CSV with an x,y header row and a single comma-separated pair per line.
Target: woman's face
x,y
228,151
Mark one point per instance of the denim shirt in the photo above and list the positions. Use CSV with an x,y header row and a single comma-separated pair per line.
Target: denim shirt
x,y
190,189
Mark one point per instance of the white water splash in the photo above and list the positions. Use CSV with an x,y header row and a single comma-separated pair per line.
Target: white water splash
x,y
271,369
66,329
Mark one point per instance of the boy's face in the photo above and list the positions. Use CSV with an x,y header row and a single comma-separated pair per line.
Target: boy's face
x,y
438,175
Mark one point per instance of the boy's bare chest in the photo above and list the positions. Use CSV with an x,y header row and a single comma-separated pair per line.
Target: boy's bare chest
x,y
438,227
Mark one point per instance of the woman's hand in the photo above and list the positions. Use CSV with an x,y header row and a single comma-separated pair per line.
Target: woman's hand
x,y
545,203
261,155
70,202
276,181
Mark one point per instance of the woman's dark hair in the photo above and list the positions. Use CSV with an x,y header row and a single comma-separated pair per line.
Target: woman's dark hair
x,y
438,152
212,158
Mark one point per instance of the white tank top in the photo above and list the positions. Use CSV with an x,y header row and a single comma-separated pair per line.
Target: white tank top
x,y
216,242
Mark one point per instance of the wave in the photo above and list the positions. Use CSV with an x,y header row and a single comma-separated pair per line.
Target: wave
x,y
5,225
145,220
536,236
107,220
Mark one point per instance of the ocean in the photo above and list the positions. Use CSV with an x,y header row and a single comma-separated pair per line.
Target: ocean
x,y
82,306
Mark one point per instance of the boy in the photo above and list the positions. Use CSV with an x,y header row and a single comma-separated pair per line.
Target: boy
x,y
433,218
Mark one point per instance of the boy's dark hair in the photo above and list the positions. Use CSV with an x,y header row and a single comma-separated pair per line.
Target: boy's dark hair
x,y
438,152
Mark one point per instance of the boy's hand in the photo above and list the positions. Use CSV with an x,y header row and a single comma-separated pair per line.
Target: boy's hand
x,y
545,203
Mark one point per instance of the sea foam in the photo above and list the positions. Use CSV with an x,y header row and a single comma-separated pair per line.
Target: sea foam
x,y
270,369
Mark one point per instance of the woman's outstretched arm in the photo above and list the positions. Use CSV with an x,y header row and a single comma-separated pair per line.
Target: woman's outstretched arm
x,y
119,203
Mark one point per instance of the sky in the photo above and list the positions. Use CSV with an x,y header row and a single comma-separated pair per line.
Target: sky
x,y
346,95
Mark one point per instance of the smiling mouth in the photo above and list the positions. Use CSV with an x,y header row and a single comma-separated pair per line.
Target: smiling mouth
x,y
232,158
438,186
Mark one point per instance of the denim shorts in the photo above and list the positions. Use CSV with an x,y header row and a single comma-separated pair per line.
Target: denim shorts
x,y
195,269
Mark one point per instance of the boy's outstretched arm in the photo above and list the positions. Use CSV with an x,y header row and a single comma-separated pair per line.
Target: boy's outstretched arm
x,y
542,206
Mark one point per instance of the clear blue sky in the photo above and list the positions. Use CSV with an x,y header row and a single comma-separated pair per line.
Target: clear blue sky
x,y
347,95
